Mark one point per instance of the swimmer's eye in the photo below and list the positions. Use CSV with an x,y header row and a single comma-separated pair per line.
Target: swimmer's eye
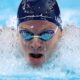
x,y
26,35
46,35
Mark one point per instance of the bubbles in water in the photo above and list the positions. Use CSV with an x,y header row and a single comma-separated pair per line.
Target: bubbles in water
x,y
64,67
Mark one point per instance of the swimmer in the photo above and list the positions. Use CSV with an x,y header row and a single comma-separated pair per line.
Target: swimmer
x,y
39,29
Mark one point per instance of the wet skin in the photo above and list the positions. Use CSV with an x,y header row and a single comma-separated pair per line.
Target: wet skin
x,y
37,46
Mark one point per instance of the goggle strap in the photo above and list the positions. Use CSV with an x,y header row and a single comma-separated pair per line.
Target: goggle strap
x,y
56,29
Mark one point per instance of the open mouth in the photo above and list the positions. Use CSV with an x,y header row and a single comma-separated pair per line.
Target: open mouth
x,y
35,57
38,55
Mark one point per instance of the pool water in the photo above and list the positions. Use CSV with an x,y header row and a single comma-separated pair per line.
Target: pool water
x,y
64,64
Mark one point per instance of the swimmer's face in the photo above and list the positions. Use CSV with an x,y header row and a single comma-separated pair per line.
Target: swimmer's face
x,y
36,50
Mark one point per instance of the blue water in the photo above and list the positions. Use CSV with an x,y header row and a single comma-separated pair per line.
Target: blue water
x,y
35,78
64,66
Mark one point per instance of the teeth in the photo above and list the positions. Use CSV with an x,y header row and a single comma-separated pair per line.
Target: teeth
x,y
36,55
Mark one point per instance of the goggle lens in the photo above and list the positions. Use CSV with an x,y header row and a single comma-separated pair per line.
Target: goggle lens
x,y
45,35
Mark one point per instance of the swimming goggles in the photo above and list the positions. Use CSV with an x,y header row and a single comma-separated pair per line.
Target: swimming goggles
x,y
44,35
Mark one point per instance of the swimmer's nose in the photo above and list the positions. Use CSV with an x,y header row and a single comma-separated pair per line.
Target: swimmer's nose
x,y
36,44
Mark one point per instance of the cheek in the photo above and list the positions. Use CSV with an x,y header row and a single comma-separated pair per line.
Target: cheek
x,y
51,44
23,45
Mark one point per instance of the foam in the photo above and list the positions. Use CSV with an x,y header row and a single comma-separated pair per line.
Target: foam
x,y
64,63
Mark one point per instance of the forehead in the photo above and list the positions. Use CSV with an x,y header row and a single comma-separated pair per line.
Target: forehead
x,y
37,25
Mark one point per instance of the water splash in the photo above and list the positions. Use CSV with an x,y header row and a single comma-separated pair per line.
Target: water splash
x,y
64,67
